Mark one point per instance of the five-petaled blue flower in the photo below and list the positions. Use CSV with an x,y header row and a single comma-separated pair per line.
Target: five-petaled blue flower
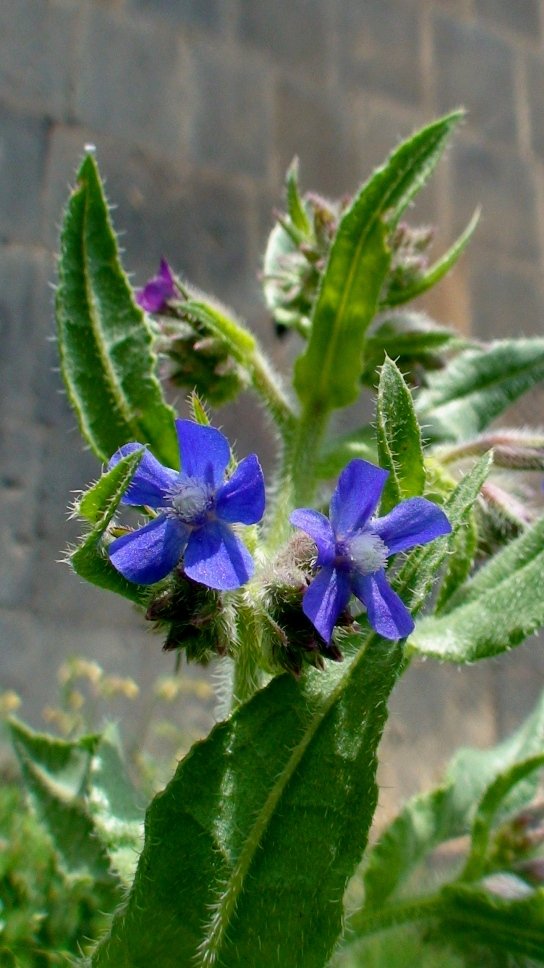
x,y
196,510
353,550
156,293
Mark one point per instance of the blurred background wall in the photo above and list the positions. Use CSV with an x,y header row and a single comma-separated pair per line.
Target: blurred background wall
x,y
196,107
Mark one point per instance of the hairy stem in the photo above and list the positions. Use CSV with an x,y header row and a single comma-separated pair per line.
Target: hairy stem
x,y
296,482
248,676
365,922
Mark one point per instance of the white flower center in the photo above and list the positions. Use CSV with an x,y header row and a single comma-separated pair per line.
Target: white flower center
x,y
368,552
190,500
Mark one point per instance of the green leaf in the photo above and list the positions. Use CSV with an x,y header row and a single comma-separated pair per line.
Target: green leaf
x,y
99,505
295,205
327,374
105,344
428,819
399,440
477,386
419,572
510,586
250,846
488,808
475,916
460,562
409,338
115,807
56,775
436,272
338,451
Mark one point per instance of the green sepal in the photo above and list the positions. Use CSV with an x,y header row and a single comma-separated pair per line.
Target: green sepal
x,y
396,297
399,439
477,386
104,341
429,819
509,586
327,375
98,505
262,825
295,205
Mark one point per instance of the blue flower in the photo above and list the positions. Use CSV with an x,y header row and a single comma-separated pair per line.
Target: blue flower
x,y
156,293
196,510
353,550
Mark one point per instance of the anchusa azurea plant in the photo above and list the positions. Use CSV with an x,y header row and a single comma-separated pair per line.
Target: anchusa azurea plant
x,y
412,536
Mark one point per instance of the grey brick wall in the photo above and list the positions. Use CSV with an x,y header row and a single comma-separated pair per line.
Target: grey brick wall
x,y
196,108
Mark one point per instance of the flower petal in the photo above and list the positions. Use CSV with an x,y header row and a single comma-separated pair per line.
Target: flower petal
x,y
151,480
412,522
216,557
158,290
320,529
204,452
387,613
242,498
356,496
326,597
147,555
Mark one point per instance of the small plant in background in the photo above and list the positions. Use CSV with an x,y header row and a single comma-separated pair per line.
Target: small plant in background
x,y
256,850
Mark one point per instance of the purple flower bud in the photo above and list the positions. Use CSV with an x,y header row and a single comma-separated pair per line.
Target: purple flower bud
x,y
353,550
156,293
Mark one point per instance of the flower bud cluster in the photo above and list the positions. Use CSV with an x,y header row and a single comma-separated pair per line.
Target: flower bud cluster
x,y
193,618
291,641
409,255
192,357
294,262
518,845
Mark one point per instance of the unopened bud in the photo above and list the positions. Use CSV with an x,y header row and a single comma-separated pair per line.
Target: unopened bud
x,y
193,617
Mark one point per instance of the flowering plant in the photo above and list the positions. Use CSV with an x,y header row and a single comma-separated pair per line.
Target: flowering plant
x,y
252,853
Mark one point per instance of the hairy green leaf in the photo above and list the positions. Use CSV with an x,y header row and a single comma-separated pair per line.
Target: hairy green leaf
x,y
399,440
250,846
115,807
327,374
411,339
99,505
56,774
509,586
459,563
428,819
395,297
105,344
477,386
414,580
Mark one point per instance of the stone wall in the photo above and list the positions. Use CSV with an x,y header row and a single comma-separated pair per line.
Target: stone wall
x,y
196,108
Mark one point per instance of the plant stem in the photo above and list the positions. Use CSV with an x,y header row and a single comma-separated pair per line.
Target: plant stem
x,y
268,386
246,350
296,482
366,922
247,665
